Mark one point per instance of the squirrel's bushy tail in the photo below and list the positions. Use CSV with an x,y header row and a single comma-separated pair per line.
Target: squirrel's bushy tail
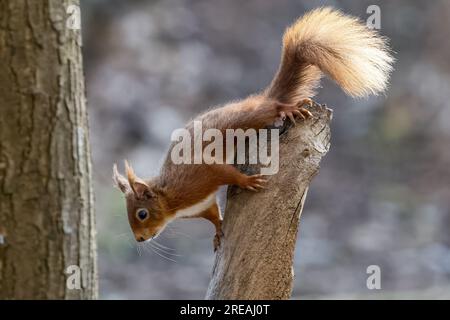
x,y
326,40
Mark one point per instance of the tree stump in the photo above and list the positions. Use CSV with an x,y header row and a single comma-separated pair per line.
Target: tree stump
x,y
256,256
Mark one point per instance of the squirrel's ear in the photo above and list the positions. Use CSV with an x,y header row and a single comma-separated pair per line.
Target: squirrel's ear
x,y
119,180
140,187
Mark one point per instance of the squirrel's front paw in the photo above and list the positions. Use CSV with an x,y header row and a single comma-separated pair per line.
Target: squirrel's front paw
x,y
253,183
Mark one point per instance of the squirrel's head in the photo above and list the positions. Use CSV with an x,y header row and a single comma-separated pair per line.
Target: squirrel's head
x,y
145,204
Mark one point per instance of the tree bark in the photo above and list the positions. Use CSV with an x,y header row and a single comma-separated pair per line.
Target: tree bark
x,y
46,202
255,259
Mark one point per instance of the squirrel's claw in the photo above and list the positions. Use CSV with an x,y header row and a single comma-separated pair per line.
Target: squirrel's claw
x,y
254,183
308,102
291,117
305,113
295,110
216,242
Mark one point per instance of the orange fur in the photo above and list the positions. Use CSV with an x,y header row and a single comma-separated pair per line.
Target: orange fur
x,y
341,46
323,40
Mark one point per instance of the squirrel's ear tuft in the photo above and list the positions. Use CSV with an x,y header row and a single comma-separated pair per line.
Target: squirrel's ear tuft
x,y
140,188
119,180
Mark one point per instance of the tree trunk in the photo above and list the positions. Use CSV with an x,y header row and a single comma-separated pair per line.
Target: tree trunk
x,y
255,259
46,202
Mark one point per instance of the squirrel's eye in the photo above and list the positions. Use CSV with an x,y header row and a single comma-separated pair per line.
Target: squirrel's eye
x,y
142,214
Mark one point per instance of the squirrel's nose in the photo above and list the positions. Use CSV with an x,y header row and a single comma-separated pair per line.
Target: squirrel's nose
x,y
140,239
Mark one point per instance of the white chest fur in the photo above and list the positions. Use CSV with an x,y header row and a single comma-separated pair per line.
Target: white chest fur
x,y
197,208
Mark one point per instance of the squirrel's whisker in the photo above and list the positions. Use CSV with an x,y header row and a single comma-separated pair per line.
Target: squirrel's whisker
x,y
138,248
162,256
161,246
163,251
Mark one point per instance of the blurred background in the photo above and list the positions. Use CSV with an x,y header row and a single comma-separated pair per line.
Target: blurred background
x,y
382,196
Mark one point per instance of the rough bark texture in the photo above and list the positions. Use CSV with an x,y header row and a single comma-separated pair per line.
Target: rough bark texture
x,y
46,201
255,259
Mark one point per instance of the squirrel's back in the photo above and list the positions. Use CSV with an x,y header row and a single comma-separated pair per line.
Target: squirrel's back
x,y
327,41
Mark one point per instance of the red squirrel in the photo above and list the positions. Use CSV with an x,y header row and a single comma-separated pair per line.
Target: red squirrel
x,y
322,41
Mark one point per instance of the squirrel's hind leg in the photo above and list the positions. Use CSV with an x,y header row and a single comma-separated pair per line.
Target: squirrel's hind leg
x,y
213,214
